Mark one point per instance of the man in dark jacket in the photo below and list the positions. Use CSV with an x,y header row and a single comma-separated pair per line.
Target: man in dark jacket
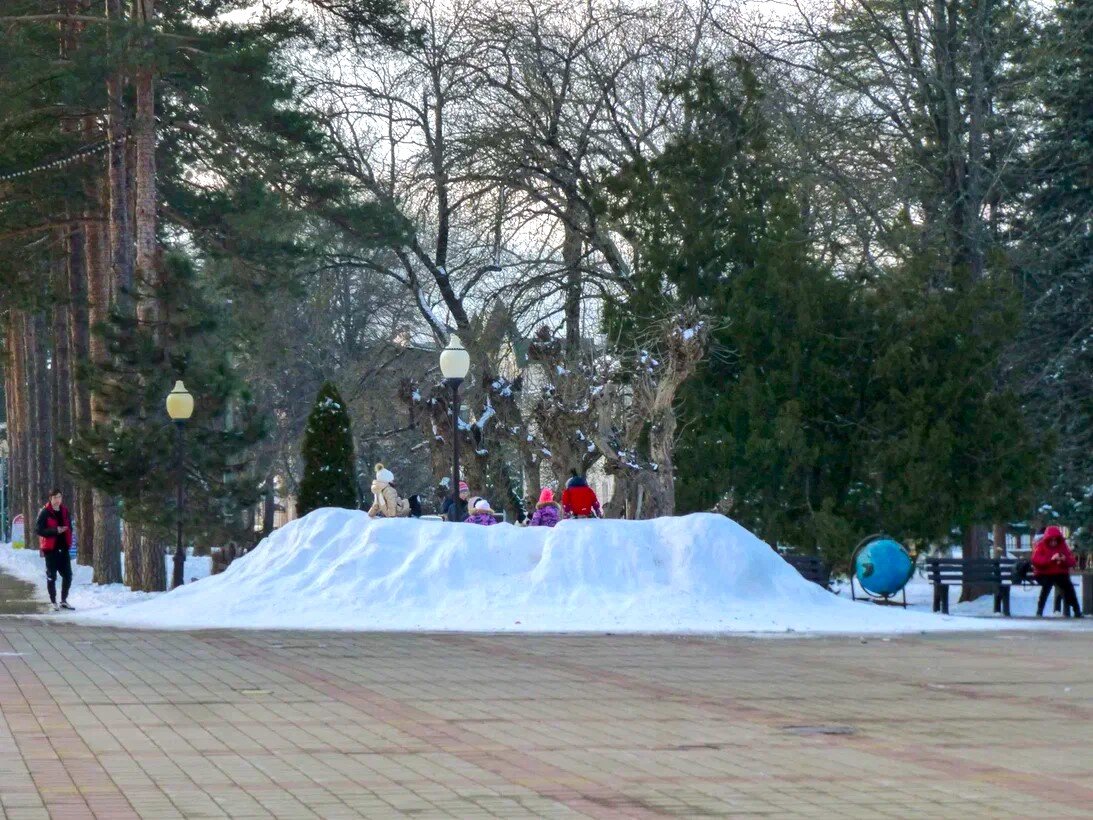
x,y
54,530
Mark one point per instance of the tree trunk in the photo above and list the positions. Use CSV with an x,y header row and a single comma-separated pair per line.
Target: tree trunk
x,y
1000,540
975,546
26,418
121,229
107,546
13,397
153,567
42,387
79,347
107,528
572,246
977,116
131,541
268,507
144,137
660,489
62,381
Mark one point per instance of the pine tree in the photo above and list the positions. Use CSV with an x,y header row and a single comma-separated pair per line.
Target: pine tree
x,y
214,100
329,466
1055,351
131,454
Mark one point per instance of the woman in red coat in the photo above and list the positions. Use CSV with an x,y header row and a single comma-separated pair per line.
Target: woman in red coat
x,y
1052,561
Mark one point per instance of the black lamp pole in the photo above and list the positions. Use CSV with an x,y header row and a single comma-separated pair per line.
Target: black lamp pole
x,y
180,555
454,384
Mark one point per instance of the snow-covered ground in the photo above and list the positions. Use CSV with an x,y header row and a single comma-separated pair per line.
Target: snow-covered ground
x,y
920,597
338,569
28,565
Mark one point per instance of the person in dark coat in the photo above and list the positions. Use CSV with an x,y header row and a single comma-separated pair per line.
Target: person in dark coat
x,y
1052,561
579,500
54,528
454,510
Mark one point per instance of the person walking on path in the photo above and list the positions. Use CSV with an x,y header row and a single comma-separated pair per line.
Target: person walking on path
x,y
54,528
454,510
1052,561
547,511
579,500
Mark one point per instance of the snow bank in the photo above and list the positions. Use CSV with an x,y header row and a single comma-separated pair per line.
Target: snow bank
x,y
28,565
338,569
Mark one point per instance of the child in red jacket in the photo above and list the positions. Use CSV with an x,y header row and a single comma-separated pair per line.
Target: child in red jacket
x,y
579,500
1052,561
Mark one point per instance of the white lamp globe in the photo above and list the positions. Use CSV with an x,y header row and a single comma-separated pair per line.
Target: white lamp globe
x,y
180,404
455,361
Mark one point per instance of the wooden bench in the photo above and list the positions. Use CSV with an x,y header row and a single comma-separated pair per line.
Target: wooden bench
x,y
811,567
995,572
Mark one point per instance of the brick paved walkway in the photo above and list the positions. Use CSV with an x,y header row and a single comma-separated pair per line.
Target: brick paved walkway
x,y
114,724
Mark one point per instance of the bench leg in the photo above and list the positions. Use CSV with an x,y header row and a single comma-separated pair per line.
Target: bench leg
x,y
997,600
937,597
945,599
1006,601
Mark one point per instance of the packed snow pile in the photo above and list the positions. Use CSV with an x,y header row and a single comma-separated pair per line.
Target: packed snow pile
x,y
28,565
338,569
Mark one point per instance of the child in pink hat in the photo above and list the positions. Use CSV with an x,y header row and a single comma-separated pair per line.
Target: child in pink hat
x,y
547,511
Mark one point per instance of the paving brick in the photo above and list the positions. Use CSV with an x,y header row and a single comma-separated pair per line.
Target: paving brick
x,y
97,722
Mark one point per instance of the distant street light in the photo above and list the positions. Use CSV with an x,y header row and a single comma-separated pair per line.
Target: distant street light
x,y
180,406
455,363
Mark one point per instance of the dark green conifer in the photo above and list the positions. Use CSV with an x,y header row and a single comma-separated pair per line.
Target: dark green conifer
x,y
329,473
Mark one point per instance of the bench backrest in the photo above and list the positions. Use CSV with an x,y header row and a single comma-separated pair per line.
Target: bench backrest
x,y
955,571
811,567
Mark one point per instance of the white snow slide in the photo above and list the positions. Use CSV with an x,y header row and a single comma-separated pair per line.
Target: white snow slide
x,y
338,569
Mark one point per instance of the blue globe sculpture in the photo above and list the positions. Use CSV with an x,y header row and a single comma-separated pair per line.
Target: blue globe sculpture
x,y
883,567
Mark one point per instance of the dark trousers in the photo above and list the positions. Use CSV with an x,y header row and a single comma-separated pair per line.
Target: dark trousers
x,y
1066,588
57,561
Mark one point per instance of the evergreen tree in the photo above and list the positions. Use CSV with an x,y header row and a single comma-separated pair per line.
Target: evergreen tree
x,y
763,420
947,445
1055,351
830,407
131,455
330,478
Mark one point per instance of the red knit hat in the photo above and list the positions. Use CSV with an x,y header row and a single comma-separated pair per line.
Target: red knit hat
x,y
546,496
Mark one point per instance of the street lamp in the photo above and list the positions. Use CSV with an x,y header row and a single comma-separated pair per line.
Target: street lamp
x,y
455,361
180,406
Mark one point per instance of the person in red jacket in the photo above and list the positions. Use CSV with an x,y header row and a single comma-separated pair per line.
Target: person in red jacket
x,y
54,528
1052,561
579,500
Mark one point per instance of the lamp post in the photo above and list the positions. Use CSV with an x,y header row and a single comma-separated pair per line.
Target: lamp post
x,y
180,406
455,362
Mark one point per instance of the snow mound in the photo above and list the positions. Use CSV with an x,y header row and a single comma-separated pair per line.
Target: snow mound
x,y
338,569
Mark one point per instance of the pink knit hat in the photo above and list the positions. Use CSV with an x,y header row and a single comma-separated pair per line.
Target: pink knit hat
x,y
546,496
464,487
